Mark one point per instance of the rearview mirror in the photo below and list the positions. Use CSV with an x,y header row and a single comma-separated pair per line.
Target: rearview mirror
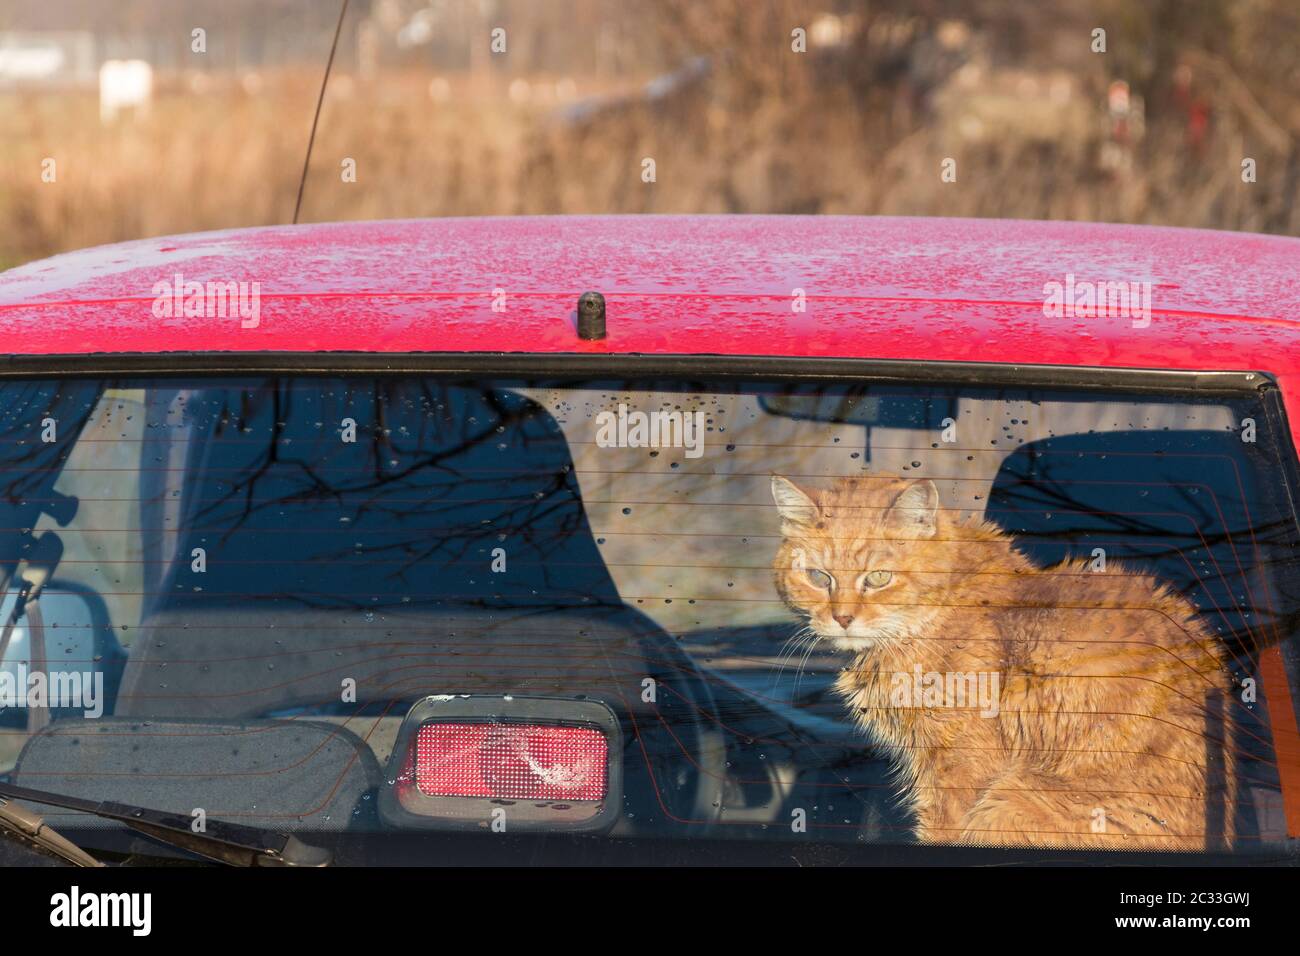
x,y
871,408
55,663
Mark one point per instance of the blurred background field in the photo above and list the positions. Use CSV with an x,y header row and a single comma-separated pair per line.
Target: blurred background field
x,y
1155,129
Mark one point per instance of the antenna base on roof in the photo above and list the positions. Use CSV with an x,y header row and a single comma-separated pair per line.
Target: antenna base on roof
x,y
591,316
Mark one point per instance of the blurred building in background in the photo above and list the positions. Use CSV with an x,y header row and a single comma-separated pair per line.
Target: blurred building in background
x,y
48,59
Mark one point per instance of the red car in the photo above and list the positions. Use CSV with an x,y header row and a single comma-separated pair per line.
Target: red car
x,y
667,539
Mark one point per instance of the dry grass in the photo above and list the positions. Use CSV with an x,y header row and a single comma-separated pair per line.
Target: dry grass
x,y
783,145
227,158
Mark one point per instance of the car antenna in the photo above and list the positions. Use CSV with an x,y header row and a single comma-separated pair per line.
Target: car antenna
x,y
311,140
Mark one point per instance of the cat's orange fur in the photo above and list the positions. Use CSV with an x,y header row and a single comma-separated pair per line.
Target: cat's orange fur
x,y
1113,723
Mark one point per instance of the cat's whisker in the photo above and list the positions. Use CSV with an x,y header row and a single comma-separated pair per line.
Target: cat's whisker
x,y
803,663
803,636
787,651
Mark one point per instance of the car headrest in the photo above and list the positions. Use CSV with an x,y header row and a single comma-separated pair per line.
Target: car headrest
x,y
1179,504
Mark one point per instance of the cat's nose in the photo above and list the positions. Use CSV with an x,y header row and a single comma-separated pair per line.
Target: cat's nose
x,y
843,620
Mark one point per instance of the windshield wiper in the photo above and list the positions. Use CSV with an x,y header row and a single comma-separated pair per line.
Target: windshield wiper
x,y
228,843
30,827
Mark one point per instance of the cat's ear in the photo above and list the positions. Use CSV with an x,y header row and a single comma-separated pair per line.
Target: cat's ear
x,y
915,512
794,505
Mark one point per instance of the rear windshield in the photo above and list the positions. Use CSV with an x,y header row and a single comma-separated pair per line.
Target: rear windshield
x,y
765,612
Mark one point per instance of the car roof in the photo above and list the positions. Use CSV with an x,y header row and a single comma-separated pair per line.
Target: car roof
x,y
872,287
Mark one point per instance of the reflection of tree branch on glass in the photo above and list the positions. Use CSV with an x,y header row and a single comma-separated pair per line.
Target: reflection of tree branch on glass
x,y
30,464
438,477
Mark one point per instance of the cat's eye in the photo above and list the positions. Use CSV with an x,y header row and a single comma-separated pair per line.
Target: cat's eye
x,y
878,579
819,579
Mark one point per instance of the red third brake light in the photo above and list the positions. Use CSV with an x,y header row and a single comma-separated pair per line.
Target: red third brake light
x,y
510,761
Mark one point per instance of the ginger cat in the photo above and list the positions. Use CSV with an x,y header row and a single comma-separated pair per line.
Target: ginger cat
x,y
1022,706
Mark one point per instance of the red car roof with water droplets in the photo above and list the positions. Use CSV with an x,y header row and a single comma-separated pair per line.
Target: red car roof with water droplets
x,y
885,288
